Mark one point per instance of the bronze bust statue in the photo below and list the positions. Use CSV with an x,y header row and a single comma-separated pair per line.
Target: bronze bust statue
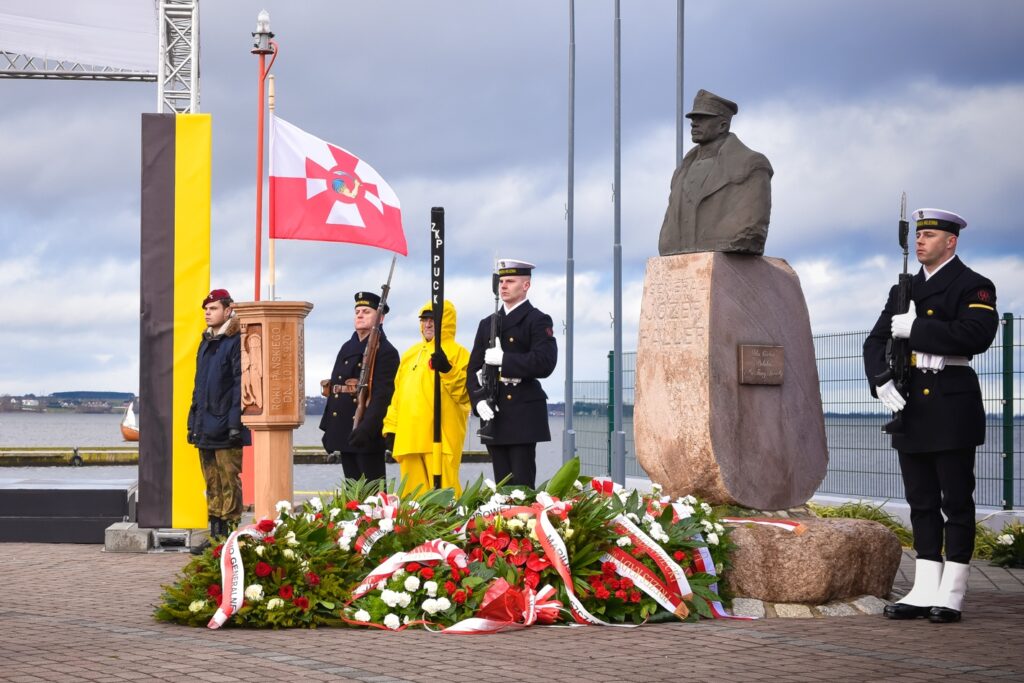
x,y
721,197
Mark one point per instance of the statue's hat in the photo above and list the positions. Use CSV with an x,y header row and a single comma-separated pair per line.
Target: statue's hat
x,y
707,103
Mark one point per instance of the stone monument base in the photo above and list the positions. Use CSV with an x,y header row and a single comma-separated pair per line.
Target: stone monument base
x,y
829,560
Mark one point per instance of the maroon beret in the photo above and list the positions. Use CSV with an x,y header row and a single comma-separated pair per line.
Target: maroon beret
x,y
217,295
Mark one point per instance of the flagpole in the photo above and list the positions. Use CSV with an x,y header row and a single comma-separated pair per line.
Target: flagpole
x,y
569,435
262,47
680,121
272,243
618,464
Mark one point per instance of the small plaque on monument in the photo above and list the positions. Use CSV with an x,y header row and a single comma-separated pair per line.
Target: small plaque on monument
x,y
761,364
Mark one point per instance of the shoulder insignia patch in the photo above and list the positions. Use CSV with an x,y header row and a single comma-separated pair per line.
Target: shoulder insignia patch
x,y
551,332
984,295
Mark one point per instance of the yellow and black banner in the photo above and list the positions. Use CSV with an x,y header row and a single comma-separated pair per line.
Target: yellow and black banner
x,y
175,278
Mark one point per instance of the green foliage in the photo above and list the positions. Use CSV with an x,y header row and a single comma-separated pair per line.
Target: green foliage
x,y
870,511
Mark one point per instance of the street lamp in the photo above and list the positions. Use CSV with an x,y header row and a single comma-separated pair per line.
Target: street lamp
x,y
263,45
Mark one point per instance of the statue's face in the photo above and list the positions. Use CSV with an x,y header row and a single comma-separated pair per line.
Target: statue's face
x,y
705,128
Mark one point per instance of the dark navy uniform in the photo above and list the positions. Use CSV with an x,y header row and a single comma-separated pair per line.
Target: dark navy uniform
x,y
530,352
336,423
944,417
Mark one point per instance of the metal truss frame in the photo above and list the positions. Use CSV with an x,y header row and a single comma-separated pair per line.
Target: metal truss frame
x,y
177,77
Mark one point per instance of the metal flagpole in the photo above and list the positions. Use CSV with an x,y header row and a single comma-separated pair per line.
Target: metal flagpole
x,y
261,47
569,435
680,120
618,468
271,242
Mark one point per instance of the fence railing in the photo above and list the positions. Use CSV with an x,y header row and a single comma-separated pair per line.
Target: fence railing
x,y
861,461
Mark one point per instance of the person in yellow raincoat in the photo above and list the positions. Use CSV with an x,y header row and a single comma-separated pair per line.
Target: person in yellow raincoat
x,y
409,424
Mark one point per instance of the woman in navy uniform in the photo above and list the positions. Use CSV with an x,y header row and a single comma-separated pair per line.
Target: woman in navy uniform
x,y
952,317
527,352
362,448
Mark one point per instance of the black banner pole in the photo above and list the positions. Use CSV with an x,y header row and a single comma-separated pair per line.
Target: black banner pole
x,y
437,307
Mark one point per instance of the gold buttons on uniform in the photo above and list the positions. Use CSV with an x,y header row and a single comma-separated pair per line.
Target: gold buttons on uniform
x,y
511,339
931,312
346,362
509,397
334,415
926,392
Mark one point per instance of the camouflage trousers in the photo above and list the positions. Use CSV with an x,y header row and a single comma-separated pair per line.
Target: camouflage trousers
x,y
223,487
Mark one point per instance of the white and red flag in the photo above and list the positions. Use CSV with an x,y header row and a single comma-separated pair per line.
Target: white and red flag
x,y
319,191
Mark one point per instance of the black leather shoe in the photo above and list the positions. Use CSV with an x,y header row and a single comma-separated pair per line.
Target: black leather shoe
x,y
901,610
943,615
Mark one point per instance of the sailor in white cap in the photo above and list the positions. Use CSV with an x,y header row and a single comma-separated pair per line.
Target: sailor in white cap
x,y
502,377
952,317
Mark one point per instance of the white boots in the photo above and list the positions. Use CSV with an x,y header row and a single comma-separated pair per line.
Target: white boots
x,y
950,595
923,596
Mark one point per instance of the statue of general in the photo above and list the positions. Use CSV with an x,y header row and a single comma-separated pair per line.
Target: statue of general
x,y
721,197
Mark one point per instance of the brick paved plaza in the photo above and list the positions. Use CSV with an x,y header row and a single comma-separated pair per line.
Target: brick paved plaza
x,y
73,612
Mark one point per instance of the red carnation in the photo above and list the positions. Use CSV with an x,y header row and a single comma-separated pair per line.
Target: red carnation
x,y
312,579
449,587
459,597
263,569
615,584
265,526
620,594
602,593
679,555
608,568
625,583
213,590
318,515
352,505
427,573
595,580
302,602
635,596
412,567
286,591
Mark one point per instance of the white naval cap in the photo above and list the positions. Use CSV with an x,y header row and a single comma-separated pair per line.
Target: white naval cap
x,y
511,266
939,220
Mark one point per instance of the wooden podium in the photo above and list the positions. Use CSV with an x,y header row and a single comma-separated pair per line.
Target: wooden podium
x,y
273,392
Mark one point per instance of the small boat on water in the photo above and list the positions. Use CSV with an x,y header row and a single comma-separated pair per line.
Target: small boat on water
x,y
130,423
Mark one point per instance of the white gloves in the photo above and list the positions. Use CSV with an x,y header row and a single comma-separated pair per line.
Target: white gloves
x,y
487,414
891,397
480,376
903,322
493,356
930,361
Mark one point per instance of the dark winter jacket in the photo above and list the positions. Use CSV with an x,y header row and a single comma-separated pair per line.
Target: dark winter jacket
x,y
217,397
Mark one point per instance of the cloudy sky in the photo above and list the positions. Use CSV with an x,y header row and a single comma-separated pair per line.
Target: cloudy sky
x,y
463,104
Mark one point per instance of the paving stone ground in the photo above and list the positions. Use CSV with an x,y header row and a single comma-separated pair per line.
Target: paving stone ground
x,y
74,613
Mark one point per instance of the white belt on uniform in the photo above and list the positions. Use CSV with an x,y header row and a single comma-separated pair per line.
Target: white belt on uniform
x,y
510,380
933,358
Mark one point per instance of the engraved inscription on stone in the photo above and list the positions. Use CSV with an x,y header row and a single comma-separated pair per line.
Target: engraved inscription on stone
x,y
760,364
676,310
283,384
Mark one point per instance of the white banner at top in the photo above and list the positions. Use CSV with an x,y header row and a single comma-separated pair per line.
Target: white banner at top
x,y
121,34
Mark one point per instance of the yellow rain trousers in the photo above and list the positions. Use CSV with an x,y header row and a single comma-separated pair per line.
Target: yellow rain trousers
x,y
410,416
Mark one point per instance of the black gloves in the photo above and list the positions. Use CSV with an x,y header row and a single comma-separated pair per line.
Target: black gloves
x,y
359,438
439,361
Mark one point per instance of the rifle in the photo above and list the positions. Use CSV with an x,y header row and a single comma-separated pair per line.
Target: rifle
x,y
365,386
897,351
489,384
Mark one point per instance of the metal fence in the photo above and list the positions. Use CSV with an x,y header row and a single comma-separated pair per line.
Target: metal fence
x,y
861,461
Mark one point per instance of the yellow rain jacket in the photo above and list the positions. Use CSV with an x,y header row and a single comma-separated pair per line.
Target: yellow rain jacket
x,y
410,416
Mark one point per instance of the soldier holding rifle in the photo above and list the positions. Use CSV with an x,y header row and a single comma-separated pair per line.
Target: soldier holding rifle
x,y
360,444
950,316
511,402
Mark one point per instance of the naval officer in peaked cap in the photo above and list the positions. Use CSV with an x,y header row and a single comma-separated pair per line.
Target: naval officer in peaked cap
x,y
952,317
515,412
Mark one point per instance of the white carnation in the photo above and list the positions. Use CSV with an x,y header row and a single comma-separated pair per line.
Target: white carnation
x,y
684,510
288,553
389,597
283,506
431,588
498,499
706,508
490,484
254,592
1005,539
656,489
430,606
260,549
392,621
290,539
412,583
345,542
362,615
387,524
713,539
631,516
708,526
316,503
719,528
624,542
517,495
275,603
349,530
196,606
443,604
404,599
